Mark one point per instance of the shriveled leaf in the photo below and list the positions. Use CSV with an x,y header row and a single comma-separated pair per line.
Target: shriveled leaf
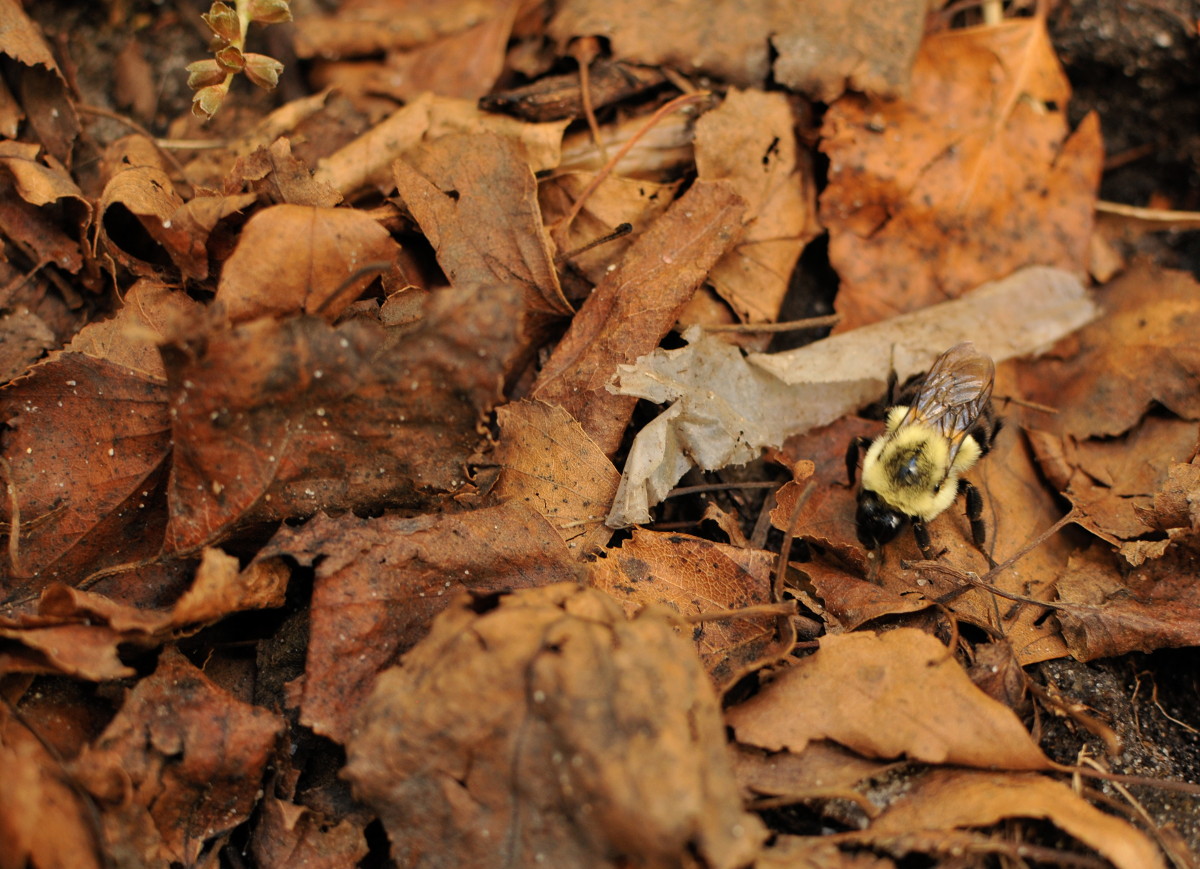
x,y
293,258
900,693
181,763
134,213
480,732
1111,481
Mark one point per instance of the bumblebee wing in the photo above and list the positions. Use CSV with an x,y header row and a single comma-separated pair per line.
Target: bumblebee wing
x,y
954,393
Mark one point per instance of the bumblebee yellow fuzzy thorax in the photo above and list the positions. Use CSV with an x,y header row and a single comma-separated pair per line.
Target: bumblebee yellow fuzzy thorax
x,y
910,468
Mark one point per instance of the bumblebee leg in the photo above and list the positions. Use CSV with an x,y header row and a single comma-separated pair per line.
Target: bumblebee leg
x,y
975,514
974,511
924,543
853,450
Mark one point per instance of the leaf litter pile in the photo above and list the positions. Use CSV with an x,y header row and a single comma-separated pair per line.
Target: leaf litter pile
x,y
420,464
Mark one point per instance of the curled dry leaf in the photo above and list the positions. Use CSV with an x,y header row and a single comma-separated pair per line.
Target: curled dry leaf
x,y
901,693
134,214
946,800
77,633
26,187
41,90
181,763
542,726
381,581
694,576
971,177
293,258
1112,482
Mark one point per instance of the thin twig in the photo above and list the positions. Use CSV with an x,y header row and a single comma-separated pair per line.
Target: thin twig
x,y
786,326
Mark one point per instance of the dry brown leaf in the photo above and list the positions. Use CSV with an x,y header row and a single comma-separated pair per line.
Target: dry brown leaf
x,y
475,199
954,799
46,822
381,581
34,230
77,633
465,64
186,232
153,312
273,173
181,763
40,88
821,47
26,339
1141,351
635,306
367,160
134,214
823,770
548,462
518,711
969,179
288,834
1112,482
694,576
750,139
616,200
87,454
276,419
293,258
367,27
900,693
1109,610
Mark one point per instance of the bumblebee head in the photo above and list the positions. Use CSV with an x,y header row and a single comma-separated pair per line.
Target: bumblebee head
x,y
875,521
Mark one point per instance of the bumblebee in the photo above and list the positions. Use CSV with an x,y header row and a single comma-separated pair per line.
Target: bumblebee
x,y
941,426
